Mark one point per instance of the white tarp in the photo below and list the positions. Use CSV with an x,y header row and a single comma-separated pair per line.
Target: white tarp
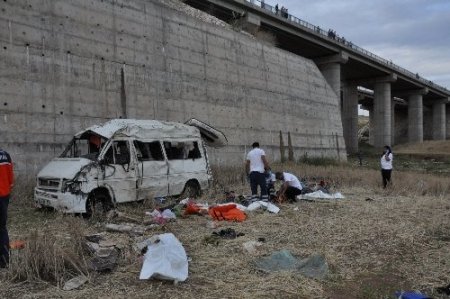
x,y
321,195
165,259
263,204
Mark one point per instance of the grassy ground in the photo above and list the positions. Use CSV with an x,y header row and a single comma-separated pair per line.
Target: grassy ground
x,y
375,241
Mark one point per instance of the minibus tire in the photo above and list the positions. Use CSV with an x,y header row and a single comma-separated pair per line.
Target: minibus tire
x,y
191,189
100,199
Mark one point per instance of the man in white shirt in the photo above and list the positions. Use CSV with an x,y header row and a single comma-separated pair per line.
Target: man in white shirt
x,y
291,186
255,167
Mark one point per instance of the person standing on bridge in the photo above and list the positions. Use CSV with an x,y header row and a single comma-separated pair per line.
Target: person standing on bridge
x,y
386,165
6,183
255,167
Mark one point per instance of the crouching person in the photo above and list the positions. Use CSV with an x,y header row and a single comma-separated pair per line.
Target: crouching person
x,y
291,186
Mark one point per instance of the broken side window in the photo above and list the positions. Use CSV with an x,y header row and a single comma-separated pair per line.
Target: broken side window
x,y
149,151
86,146
182,150
118,153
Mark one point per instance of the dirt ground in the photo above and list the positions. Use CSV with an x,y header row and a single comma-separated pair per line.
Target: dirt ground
x,y
374,243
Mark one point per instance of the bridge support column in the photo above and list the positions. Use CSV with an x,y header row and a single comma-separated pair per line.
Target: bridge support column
x,y
439,120
415,118
331,69
372,126
392,121
382,110
350,117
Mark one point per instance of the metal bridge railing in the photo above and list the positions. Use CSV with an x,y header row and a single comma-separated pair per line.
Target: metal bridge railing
x,y
283,13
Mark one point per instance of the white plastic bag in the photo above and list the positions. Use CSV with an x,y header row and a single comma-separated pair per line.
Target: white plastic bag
x,y
165,259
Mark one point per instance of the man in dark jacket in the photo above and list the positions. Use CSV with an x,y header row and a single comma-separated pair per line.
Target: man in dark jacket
x,y
6,183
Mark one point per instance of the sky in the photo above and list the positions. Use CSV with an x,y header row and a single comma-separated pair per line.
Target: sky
x,y
414,34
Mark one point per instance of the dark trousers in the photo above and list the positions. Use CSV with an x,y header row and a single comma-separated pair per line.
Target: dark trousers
x,y
4,239
386,176
258,179
291,193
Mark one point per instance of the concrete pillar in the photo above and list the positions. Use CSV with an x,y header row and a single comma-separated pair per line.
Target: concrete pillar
x,y
371,126
332,73
439,120
350,118
447,118
331,70
382,114
393,122
415,118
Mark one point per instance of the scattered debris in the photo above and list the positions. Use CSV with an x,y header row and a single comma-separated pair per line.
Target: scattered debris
x,y
212,224
193,208
120,216
105,253
126,228
94,237
211,240
75,283
410,295
230,197
161,217
228,233
228,212
165,259
314,266
17,244
264,205
251,246
444,290
105,259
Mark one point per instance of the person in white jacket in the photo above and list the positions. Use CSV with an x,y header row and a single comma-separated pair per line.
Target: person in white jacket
x,y
386,165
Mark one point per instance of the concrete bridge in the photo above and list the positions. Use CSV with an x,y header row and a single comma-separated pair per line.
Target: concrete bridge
x,y
347,67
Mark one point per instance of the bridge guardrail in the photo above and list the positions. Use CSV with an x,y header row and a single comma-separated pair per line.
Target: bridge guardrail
x,y
333,36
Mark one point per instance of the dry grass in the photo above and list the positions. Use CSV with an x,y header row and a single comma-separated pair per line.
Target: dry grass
x,y
396,240
429,148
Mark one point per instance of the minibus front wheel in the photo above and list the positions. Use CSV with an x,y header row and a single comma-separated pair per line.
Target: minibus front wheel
x,y
98,203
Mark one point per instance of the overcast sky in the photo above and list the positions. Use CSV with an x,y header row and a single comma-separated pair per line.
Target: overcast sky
x,y
414,34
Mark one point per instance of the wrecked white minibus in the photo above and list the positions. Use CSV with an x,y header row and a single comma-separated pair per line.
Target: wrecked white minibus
x,y
127,160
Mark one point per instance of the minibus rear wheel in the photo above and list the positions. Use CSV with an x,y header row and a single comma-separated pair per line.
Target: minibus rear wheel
x,y
191,189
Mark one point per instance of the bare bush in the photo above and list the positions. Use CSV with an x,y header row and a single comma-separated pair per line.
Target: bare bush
x,y
48,257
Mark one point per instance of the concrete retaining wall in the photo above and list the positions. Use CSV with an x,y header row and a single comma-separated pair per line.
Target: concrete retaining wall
x,y
66,65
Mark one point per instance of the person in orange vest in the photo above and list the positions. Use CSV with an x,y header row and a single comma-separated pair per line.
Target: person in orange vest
x,y
6,183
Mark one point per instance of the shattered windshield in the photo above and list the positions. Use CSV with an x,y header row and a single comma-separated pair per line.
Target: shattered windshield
x,y
87,146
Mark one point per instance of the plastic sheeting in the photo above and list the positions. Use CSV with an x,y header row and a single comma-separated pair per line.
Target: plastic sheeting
x,y
321,195
314,266
165,259
264,205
